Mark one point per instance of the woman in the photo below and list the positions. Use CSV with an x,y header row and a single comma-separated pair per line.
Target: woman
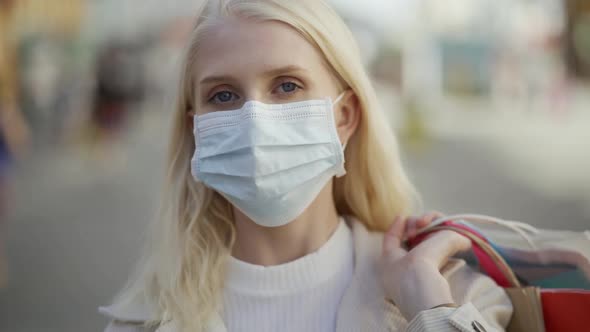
x,y
264,227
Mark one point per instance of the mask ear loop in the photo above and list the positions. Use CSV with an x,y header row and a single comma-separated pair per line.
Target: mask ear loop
x,y
339,98
336,101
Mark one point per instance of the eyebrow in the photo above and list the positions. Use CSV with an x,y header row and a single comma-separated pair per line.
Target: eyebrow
x,y
268,73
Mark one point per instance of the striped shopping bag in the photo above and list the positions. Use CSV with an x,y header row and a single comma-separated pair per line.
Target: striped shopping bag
x,y
546,273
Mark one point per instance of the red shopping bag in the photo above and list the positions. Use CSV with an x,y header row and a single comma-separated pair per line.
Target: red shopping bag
x,y
535,309
566,309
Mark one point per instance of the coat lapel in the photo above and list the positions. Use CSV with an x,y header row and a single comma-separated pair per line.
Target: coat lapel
x,y
215,325
363,306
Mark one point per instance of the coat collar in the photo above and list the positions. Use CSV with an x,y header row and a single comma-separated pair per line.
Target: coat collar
x,y
364,288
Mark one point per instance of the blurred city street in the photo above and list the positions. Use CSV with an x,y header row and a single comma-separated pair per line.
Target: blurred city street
x,y
490,100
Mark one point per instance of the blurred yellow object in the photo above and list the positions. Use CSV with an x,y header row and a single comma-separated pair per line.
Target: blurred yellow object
x,y
8,58
55,16
414,133
13,127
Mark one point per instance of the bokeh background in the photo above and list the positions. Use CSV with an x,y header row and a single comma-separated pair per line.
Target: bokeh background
x,y
490,99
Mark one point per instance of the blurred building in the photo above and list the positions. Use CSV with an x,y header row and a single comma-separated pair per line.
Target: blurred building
x,y
578,36
467,47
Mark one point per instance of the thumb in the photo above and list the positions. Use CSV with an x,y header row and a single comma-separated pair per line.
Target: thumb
x,y
392,238
442,245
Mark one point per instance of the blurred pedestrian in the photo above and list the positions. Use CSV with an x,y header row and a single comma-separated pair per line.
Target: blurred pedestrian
x,y
119,87
119,84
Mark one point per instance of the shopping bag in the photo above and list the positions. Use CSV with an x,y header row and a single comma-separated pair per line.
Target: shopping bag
x,y
565,307
545,258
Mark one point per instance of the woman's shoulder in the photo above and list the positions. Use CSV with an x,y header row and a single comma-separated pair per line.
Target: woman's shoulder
x,y
130,316
117,326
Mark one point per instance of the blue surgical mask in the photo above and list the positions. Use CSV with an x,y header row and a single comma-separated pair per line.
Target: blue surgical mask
x,y
269,160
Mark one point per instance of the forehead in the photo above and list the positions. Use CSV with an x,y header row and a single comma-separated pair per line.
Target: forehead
x,y
235,45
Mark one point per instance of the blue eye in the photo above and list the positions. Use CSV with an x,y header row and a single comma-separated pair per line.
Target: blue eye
x,y
289,86
222,97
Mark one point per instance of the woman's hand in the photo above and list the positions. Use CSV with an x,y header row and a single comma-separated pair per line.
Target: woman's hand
x,y
412,279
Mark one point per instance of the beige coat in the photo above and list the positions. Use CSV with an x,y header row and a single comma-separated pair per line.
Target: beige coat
x,y
485,306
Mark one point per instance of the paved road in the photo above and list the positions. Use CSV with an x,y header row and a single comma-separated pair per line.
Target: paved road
x,y
76,225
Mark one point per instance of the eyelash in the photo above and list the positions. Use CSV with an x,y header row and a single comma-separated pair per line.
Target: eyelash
x,y
297,88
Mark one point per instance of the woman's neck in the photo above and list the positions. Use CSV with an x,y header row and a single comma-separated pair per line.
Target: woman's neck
x,y
269,246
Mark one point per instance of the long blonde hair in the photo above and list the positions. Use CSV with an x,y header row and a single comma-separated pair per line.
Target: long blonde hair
x,y
182,272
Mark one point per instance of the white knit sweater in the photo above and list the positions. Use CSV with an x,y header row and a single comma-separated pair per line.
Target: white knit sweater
x,y
302,295
363,306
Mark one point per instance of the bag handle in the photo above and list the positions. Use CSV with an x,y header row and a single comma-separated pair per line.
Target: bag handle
x,y
520,228
490,261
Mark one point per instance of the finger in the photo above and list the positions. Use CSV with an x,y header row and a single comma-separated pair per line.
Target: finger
x,y
410,220
425,221
431,216
441,246
412,227
428,218
392,238
415,224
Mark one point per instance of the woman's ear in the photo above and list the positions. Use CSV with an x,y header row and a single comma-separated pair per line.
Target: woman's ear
x,y
347,115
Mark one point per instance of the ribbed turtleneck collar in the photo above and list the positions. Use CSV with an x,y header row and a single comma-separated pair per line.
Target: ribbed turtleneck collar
x,y
333,258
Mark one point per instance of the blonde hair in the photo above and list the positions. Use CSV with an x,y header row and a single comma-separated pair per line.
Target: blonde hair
x,y
182,273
